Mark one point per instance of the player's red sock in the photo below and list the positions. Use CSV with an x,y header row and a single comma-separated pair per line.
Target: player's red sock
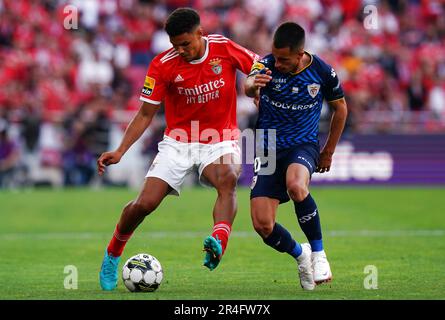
x,y
117,243
222,229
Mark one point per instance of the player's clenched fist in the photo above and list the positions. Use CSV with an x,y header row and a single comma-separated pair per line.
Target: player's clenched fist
x,y
107,158
325,162
263,78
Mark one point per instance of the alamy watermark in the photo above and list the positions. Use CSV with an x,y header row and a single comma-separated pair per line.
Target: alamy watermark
x,y
70,281
71,17
256,147
371,280
371,20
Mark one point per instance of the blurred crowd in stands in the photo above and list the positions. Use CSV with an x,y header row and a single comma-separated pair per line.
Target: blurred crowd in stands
x,y
69,87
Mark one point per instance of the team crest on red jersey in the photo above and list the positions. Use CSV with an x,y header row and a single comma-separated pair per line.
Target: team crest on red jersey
x,y
216,65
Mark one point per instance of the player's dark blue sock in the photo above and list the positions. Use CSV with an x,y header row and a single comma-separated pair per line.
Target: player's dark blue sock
x,y
281,240
309,220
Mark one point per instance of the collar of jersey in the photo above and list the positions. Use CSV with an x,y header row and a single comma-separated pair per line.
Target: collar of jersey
x,y
206,53
310,62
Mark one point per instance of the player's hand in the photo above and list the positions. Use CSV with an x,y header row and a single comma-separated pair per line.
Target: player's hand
x,y
324,165
262,78
107,158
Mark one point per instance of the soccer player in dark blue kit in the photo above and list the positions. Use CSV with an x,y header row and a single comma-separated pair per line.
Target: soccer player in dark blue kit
x,y
290,85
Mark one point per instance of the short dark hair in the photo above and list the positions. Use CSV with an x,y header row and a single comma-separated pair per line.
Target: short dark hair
x,y
182,20
289,34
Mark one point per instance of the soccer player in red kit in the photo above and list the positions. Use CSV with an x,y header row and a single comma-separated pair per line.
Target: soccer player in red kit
x,y
196,80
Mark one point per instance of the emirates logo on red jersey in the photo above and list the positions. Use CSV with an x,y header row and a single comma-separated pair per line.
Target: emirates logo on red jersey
x,y
202,88
202,93
216,65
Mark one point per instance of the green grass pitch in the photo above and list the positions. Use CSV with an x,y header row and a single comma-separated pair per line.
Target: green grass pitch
x,y
400,231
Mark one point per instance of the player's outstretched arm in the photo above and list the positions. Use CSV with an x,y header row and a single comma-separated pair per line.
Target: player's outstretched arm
x,y
338,121
254,82
134,130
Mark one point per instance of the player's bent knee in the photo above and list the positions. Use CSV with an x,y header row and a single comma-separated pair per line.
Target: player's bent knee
x,y
263,228
227,182
297,191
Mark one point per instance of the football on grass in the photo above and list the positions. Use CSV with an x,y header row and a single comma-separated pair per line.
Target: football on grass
x,y
142,273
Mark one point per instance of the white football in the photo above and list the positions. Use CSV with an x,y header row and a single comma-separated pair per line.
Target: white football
x,y
142,273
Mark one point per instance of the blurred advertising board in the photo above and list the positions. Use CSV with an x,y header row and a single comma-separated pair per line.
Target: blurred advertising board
x,y
382,159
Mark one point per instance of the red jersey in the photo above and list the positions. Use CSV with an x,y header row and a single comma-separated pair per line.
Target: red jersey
x,y
200,95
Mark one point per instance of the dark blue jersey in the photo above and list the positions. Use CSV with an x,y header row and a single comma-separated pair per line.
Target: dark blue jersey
x,y
291,103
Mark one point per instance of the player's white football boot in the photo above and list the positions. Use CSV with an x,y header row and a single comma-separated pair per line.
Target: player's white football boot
x,y
322,270
305,268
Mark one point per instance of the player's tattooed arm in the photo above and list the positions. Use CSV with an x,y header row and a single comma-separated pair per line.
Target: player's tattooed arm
x,y
135,128
338,121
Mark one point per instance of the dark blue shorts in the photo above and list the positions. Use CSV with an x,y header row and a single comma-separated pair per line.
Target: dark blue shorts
x,y
274,185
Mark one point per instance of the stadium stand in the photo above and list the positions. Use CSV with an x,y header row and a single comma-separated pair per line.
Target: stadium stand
x,y
66,94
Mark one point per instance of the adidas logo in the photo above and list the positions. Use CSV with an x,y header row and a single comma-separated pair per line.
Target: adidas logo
x,y
179,78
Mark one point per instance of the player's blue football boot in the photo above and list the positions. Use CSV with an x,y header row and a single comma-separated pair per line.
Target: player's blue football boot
x,y
108,272
213,250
